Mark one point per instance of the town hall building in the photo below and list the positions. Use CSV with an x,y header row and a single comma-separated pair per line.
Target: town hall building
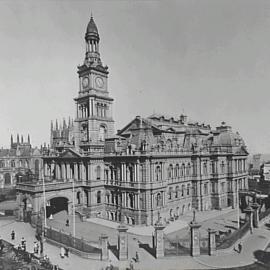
x,y
155,167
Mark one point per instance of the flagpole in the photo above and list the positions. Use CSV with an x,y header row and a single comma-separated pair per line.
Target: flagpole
x,y
238,207
73,199
44,198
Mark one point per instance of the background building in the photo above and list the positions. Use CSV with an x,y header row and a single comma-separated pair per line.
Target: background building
x,y
19,162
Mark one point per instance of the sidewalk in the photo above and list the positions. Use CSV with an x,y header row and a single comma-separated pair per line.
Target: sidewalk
x,y
25,230
257,241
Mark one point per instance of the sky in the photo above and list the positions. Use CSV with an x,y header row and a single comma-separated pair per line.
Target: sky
x,y
207,58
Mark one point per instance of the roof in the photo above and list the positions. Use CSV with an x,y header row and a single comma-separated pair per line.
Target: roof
x,y
91,27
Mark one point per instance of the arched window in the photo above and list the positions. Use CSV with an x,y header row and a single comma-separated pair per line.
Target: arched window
x,y
182,171
188,189
176,171
176,191
188,169
131,200
170,193
183,190
159,200
170,171
7,179
222,167
205,168
99,196
158,173
102,133
12,163
206,189
98,170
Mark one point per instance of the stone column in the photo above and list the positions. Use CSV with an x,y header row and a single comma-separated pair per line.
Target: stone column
x,y
81,171
75,171
249,217
89,172
64,175
195,238
104,247
159,240
122,242
255,207
68,171
211,242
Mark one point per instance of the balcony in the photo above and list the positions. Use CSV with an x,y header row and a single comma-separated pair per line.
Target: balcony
x,y
49,186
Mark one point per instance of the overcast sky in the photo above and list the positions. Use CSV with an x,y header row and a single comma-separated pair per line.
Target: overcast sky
x,y
210,59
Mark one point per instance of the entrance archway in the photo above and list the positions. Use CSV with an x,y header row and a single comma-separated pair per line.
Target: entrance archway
x,y
7,179
56,205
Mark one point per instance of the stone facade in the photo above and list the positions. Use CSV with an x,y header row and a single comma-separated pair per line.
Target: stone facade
x,y
157,167
17,161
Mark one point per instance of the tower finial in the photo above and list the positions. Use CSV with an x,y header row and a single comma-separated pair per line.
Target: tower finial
x,y
91,15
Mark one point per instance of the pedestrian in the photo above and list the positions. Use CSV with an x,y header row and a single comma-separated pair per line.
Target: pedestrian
x,y
62,252
1,245
137,257
240,247
22,241
66,252
67,222
12,235
131,266
37,246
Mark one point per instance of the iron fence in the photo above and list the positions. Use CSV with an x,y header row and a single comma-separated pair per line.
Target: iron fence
x,y
72,242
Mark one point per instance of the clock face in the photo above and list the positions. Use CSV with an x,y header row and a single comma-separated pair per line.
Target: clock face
x,y
99,82
85,82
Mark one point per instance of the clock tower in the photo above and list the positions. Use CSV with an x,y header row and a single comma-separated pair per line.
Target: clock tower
x,y
94,120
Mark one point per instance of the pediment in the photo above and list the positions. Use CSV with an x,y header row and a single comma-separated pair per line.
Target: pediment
x,y
69,154
135,124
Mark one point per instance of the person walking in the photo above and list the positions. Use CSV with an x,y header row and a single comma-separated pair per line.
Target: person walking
x,y
66,252
240,246
137,257
12,235
23,242
62,252
131,265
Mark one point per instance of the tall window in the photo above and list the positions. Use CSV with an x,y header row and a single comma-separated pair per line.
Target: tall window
x,y
176,171
170,193
98,170
188,189
222,167
158,173
213,187
183,190
206,189
176,191
102,133
205,168
159,199
223,187
170,171
99,196
188,169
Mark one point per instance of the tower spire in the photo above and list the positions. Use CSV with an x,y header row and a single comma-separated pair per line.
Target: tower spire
x,y
11,140
92,55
